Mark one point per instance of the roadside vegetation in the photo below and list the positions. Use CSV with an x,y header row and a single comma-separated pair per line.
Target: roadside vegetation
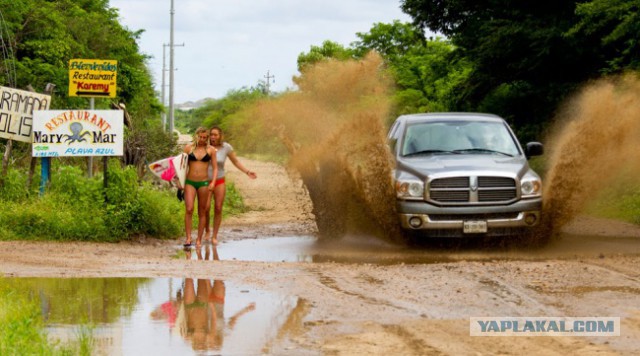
x,y
75,207
620,200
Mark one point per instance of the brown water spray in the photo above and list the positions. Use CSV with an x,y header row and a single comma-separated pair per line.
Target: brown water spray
x,y
600,138
334,129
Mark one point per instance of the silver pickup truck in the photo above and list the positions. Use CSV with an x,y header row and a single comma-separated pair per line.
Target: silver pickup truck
x,y
463,175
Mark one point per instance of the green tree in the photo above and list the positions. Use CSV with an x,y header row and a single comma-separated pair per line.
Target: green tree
x,y
615,26
391,41
426,71
523,63
328,50
45,35
216,112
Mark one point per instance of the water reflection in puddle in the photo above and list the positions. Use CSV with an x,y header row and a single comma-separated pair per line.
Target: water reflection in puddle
x,y
163,316
277,249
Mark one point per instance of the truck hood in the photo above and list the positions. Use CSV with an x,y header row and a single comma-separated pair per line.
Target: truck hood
x,y
462,164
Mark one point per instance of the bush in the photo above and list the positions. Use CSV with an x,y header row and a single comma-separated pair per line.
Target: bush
x,y
13,187
76,207
70,185
51,218
79,208
233,202
162,214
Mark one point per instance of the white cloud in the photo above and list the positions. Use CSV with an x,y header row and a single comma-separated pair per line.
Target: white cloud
x,y
231,44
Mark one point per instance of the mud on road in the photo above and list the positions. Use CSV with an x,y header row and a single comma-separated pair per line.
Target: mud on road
x,y
365,296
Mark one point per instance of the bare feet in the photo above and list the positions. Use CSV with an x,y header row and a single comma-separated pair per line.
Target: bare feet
x,y
214,241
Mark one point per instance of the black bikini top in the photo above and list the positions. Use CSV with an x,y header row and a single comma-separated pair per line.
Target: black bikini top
x,y
205,158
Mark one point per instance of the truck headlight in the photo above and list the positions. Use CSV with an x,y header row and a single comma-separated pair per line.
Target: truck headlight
x,y
409,190
531,188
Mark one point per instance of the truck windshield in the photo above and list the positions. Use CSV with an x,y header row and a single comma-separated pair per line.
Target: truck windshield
x,y
466,137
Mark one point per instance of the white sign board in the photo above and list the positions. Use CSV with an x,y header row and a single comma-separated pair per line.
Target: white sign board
x,y
16,112
64,133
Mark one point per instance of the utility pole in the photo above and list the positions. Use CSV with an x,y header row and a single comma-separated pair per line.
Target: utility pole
x,y
164,70
164,104
171,66
269,77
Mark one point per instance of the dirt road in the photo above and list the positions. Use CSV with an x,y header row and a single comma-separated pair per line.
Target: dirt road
x,y
362,296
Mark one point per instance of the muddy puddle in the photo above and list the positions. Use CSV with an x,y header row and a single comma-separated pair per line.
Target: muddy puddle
x,y
368,250
162,316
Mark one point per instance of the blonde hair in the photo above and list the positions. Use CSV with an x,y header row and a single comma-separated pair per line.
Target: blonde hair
x,y
200,130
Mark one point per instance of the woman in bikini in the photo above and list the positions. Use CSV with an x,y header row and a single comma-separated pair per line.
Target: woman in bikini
x,y
198,182
223,150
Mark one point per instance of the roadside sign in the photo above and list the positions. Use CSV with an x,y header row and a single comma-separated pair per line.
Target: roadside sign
x,y
16,112
93,77
60,133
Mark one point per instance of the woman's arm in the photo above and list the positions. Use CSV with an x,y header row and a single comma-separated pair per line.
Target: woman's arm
x,y
240,166
212,162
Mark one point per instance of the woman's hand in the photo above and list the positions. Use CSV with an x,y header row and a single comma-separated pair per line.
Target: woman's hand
x,y
252,175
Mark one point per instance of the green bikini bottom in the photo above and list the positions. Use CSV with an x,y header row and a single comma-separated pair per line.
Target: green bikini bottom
x,y
197,185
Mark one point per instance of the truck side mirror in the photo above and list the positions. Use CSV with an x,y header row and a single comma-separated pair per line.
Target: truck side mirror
x,y
533,149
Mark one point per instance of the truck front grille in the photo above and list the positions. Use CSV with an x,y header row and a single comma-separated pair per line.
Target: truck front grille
x,y
472,190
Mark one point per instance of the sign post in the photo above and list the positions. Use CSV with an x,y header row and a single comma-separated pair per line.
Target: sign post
x,y
93,78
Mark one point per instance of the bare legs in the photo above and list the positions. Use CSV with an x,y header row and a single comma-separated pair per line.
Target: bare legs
x,y
189,200
190,194
207,236
218,200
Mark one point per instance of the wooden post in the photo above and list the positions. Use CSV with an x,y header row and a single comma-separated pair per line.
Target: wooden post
x,y
48,89
45,164
5,161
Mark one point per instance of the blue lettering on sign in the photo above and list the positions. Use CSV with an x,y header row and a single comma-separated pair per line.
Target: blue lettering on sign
x,y
46,154
105,151
78,151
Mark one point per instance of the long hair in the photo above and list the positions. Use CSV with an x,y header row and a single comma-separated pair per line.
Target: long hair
x,y
219,130
200,130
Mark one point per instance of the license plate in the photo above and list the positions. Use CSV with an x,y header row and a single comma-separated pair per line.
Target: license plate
x,y
474,227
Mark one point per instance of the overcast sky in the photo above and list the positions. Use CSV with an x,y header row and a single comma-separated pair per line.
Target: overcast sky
x,y
230,44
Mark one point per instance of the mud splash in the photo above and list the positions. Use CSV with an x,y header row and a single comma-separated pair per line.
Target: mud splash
x,y
334,130
599,141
